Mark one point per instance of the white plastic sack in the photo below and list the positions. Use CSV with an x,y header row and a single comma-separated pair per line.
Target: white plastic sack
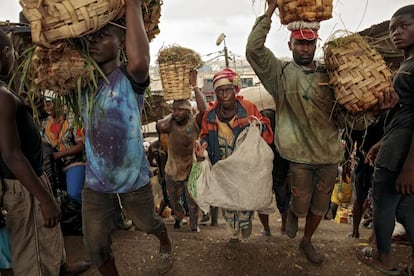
x,y
399,230
243,181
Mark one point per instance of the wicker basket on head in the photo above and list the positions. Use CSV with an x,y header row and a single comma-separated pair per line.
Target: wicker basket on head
x,y
151,11
357,72
175,64
304,10
52,20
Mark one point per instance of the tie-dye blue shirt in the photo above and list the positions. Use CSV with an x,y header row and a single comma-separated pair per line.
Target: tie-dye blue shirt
x,y
116,161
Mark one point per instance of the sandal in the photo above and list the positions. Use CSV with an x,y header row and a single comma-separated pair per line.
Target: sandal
x,y
367,256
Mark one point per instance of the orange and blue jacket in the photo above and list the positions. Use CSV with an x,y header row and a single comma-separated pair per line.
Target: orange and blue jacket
x,y
209,127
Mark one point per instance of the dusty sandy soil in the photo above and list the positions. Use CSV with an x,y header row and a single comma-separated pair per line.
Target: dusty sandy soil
x,y
210,253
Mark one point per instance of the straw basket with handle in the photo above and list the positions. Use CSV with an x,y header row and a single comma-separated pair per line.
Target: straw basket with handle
x,y
304,10
175,65
53,20
357,72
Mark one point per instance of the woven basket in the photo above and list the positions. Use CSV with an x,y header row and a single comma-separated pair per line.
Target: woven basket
x,y
52,20
358,73
175,66
304,10
175,79
151,11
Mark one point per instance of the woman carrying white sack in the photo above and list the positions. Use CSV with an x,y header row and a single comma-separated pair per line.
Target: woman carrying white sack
x,y
235,185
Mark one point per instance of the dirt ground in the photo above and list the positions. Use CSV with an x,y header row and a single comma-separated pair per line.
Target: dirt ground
x,y
209,252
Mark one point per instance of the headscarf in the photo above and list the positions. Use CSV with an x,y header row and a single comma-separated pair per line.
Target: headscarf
x,y
226,76
304,34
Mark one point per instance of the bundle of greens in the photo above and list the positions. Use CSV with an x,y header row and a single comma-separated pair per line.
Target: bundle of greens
x,y
62,72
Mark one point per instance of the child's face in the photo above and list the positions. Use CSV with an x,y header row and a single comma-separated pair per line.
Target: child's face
x,y
104,45
401,30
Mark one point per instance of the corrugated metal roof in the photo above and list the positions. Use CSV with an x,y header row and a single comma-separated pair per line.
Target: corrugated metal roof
x,y
379,38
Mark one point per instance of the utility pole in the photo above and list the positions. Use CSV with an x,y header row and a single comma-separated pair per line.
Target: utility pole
x,y
226,55
222,38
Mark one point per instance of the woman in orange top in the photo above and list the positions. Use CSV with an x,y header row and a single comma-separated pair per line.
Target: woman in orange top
x,y
68,142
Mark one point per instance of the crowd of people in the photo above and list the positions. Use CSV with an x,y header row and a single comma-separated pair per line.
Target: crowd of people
x,y
107,172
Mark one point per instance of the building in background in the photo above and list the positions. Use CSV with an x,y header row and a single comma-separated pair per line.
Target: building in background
x,y
205,77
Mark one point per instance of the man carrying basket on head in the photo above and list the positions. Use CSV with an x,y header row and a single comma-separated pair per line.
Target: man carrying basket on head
x,y
183,129
306,136
117,169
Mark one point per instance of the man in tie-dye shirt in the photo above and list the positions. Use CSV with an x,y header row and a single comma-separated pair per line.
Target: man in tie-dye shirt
x,y
117,170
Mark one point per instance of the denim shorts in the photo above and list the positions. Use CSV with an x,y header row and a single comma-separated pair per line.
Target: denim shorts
x,y
312,187
99,213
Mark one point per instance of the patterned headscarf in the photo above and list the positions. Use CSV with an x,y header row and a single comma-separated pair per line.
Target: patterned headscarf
x,y
226,76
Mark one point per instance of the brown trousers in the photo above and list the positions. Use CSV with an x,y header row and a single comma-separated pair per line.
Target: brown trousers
x,y
36,250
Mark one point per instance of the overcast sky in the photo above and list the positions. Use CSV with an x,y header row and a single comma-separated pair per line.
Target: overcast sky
x,y
196,24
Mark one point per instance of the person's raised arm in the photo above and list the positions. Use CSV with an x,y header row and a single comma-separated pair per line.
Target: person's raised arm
x,y
271,7
258,55
199,97
136,42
